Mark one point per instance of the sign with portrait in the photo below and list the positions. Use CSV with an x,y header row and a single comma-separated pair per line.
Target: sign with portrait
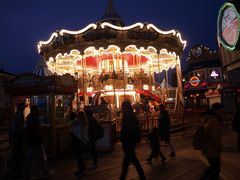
x,y
228,26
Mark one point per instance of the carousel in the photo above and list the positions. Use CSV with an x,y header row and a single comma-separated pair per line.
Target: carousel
x,y
116,62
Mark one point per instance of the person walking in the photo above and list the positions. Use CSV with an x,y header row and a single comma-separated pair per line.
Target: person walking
x,y
213,143
164,128
92,126
130,135
155,146
17,132
34,143
236,124
80,141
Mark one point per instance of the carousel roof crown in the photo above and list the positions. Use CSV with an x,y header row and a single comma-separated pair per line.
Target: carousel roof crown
x,y
111,15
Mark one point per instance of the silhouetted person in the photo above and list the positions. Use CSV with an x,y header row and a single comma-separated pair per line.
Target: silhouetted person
x,y
34,142
213,144
80,140
18,129
92,124
130,135
164,128
236,124
103,102
155,146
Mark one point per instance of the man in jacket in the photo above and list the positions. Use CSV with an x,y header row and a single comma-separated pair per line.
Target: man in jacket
x,y
17,131
213,143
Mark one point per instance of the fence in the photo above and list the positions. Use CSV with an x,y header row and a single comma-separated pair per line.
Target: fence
x,y
149,120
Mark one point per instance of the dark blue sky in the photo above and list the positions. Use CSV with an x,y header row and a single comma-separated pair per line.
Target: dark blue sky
x,y
25,22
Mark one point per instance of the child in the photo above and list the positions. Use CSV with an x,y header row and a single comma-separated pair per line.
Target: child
x,y
155,146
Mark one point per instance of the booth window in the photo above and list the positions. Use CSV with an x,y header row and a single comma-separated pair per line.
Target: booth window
x,y
63,106
44,111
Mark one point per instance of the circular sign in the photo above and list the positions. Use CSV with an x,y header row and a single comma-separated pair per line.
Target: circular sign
x,y
228,26
194,81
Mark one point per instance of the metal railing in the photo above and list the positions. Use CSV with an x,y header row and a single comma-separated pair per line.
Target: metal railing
x,y
150,120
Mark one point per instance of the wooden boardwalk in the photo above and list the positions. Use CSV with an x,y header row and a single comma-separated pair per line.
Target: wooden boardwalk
x,y
188,164
110,166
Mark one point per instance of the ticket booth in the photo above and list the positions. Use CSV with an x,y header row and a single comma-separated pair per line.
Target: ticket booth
x,y
54,95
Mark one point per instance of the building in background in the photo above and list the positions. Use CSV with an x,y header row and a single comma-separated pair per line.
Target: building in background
x,y
4,76
204,77
228,26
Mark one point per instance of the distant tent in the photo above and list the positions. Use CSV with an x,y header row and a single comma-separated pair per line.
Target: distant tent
x,y
165,85
42,69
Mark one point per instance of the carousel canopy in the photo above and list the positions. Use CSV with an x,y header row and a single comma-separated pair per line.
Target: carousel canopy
x,y
102,35
109,45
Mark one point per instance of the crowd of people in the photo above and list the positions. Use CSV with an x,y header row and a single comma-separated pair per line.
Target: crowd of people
x,y
27,141
27,136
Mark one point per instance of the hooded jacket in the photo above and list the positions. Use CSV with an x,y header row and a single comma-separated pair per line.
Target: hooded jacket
x,y
212,133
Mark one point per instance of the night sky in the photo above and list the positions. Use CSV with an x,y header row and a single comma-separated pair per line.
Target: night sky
x,y
26,22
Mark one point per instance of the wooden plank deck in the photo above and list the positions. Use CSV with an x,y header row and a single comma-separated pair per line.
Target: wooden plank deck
x,y
188,164
110,167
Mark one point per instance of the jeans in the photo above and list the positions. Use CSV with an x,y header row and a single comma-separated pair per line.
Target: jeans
x,y
36,152
130,156
213,170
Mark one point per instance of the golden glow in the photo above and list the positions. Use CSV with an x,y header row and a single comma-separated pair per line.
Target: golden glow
x,y
183,42
129,86
46,42
94,26
121,93
103,25
75,61
145,87
168,32
108,87
89,89
160,31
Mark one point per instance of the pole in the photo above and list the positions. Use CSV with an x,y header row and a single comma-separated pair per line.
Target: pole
x,y
166,76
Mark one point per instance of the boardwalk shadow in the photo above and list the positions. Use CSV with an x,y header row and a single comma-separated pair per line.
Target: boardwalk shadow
x,y
180,168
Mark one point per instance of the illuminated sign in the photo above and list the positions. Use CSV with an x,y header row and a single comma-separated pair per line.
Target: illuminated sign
x,y
214,74
228,26
194,81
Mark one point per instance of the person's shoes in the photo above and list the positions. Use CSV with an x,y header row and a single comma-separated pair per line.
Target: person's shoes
x,y
93,166
172,154
19,174
163,160
50,172
79,174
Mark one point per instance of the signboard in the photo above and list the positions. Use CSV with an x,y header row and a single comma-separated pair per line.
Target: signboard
x,y
228,26
214,74
194,81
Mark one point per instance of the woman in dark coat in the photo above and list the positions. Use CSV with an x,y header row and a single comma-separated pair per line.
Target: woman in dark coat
x,y
92,124
130,136
164,128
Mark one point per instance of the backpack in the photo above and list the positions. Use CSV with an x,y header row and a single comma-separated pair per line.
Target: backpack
x,y
198,138
99,131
